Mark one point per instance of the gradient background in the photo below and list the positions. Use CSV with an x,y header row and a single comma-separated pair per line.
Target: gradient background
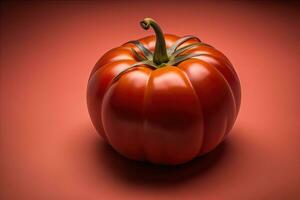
x,y
49,149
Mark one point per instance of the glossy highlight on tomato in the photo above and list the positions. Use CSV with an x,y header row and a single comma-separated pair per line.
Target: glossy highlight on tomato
x,y
163,99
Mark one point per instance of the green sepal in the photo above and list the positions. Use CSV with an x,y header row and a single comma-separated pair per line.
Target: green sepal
x,y
179,42
138,56
134,66
179,59
147,53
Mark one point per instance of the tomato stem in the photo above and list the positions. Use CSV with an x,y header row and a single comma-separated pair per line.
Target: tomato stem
x,y
160,52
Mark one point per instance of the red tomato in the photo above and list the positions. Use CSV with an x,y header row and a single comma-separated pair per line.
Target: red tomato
x,y
163,99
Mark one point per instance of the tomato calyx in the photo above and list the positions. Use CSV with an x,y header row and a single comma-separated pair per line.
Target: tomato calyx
x,y
163,56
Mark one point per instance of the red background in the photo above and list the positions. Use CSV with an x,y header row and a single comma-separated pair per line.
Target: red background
x,y
49,149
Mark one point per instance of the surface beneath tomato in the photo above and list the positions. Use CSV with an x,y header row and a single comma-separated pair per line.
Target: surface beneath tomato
x,y
168,115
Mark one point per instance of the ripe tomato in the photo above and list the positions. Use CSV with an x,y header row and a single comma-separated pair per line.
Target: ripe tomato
x,y
163,98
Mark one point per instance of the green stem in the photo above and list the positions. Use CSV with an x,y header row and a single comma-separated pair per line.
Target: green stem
x,y
160,53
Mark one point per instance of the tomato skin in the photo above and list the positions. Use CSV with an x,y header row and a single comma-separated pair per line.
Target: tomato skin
x,y
168,115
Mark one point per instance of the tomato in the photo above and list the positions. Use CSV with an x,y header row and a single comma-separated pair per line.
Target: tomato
x,y
163,99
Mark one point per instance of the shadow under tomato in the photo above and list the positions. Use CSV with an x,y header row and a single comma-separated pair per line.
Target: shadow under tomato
x,y
137,172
